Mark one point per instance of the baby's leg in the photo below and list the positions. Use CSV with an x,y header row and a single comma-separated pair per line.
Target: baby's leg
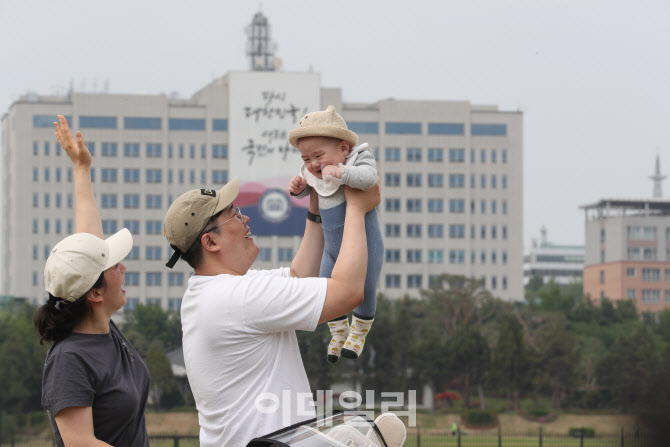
x,y
364,314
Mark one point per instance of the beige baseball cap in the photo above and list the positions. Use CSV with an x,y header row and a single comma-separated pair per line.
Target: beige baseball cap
x,y
188,215
327,123
75,263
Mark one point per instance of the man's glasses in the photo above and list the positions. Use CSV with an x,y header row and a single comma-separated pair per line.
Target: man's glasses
x,y
238,214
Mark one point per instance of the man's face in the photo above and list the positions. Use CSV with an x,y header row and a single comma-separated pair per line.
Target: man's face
x,y
322,151
235,237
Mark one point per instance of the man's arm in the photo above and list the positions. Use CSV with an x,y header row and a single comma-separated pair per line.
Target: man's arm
x,y
86,215
307,260
345,287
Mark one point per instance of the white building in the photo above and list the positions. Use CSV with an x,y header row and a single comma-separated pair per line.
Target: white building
x,y
451,175
561,263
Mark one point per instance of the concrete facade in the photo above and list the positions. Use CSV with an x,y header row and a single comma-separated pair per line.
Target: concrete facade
x,y
628,252
451,173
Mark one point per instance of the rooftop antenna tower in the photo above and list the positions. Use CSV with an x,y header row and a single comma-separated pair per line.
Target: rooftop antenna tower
x,y
658,178
260,48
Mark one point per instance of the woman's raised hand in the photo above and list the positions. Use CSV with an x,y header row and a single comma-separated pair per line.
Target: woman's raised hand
x,y
76,150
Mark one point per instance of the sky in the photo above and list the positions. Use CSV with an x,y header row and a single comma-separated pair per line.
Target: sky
x,y
591,76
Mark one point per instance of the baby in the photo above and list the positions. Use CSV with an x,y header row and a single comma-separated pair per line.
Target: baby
x,y
332,159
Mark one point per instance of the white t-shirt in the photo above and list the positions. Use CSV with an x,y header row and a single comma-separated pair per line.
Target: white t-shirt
x,y
240,345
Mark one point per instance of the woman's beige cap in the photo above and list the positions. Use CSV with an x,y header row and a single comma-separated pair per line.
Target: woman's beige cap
x,y
76,262
323,124
188,215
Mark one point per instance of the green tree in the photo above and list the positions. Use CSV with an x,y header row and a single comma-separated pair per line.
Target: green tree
x,y
469,359
557,360
153,324
163,381
628,368
21,360
510,359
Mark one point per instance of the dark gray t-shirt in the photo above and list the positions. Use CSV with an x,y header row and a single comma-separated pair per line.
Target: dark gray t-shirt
x,y
102,371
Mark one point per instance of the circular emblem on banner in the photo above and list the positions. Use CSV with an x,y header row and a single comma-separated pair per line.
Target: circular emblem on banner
x,y
274,206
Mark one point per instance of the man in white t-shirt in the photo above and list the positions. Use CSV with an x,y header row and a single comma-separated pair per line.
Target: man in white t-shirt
x,y
240,348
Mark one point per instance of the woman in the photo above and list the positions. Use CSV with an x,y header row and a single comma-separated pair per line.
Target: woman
x,y
95,385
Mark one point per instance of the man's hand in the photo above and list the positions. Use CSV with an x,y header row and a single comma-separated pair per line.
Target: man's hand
x,y
76,150
364,200
297,185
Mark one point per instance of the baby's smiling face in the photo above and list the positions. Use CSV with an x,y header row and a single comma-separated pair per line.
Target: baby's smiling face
x,y
322,151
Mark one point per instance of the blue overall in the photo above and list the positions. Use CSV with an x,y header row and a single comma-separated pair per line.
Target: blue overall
x,y
333,230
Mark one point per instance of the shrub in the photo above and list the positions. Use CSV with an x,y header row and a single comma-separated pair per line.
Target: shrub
x,y
538,412
587,432
479,417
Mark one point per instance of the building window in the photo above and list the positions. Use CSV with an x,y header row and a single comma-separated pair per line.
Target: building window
x,y
473,181
413,180
392,205
97,122
154,301
413,154
153,252
132,225
504,155
494,157
154,227
174,304
58,200
504,182
220,125
494,232
219,176
483,232
630,294
141,123
131,175
35,226
134,254
192,150
641,233
392,281
504,232
482,181
456,256
392,179
483,206
109,201
131,304
630,272
392,230
413,256
154,150
392,154
403,128
131,149
109,150
435,155
436,180
369,127
154,201
504,257
109,226
494,183
435,256
131,201
186,124
414,281
176,279
413,205
634,254
602,277
456,206
414,230
457,231
651,275
154,175
496,130
456,180
446,129
494,282
667,297
265,254
456,155
651,296
109,175
435,230
153,278
219,151
392,256
284,254
483,257
435,205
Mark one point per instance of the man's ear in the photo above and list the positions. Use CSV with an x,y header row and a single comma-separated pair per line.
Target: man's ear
x,y
208,243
